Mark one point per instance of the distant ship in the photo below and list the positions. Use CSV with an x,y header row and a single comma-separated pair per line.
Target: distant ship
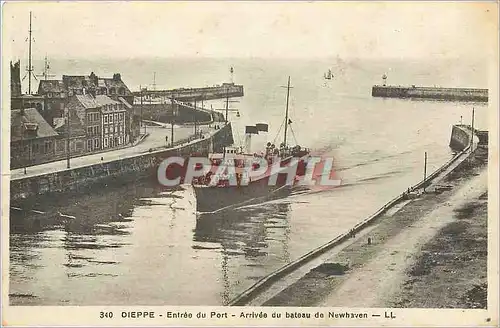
x,y
220,195
328,75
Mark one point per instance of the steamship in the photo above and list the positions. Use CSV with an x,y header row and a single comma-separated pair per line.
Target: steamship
x,y
216,191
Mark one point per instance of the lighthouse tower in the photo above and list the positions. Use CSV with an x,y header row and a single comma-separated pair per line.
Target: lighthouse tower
x,y
232,74
384,80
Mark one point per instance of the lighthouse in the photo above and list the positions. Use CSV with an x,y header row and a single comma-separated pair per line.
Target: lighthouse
x,y
384,80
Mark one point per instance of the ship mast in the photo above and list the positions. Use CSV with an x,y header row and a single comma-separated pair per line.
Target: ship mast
x,y
46,69
286,112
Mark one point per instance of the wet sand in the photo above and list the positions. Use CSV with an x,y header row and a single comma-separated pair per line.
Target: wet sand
x,y
430,253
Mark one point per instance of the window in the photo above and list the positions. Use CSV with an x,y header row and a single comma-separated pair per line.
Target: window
x,y
96,143
47,146
105,118
110,118
105,142
116,117
61,146
121,116
89,130
106,130
89,145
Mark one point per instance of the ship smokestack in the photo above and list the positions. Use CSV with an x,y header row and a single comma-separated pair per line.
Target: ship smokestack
x,y
248,143
249,130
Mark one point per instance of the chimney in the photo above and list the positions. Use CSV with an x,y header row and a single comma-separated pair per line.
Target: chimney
x,y
117,77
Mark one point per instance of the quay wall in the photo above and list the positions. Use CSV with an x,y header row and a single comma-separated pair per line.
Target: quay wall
x,y
206,93
182,114
261,285
117,171
464,94
164,113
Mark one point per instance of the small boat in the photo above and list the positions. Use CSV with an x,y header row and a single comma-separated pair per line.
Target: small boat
x,y
328,75
214,191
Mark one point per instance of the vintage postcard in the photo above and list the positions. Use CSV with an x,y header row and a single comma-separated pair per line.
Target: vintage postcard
x,y
265,163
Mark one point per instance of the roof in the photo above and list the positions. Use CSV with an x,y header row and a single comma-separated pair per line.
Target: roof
x,y
103,100
51,86
125,102
115,83
31,119
87,101
78,81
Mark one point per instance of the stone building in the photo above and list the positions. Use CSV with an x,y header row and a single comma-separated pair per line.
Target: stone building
x,y
57,92
104,121
33,140
15,79
115,131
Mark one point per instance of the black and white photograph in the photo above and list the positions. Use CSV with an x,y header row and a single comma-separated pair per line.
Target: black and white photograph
x,y
296,163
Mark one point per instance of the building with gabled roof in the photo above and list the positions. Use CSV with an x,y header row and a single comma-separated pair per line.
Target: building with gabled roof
x,y
104,120
32,139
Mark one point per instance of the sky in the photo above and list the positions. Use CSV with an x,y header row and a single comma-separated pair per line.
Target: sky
x,y
244,29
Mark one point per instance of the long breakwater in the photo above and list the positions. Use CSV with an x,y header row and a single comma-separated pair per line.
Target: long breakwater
x,y
459,94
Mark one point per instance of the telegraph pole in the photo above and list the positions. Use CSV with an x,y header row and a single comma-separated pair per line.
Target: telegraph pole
x,y
195,119
172,120
68,152
425,169
472,135
227,103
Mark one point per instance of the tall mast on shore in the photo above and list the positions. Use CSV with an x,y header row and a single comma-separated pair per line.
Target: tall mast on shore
x,y
154,81
29,69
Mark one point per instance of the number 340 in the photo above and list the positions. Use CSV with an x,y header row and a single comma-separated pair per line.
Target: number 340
x,y
106,315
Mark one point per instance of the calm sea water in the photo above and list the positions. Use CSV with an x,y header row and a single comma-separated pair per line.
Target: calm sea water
x,y
141,245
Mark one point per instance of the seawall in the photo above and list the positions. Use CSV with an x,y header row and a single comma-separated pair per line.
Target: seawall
x,y
117,171
461,94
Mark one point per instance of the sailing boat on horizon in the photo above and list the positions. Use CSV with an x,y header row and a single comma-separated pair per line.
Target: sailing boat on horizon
x,y
215,192
328,75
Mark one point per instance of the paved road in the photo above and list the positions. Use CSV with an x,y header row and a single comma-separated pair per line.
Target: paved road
x,y
155,139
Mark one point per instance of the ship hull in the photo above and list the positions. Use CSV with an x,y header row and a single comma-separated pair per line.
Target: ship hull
x,y
213,198
210,199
